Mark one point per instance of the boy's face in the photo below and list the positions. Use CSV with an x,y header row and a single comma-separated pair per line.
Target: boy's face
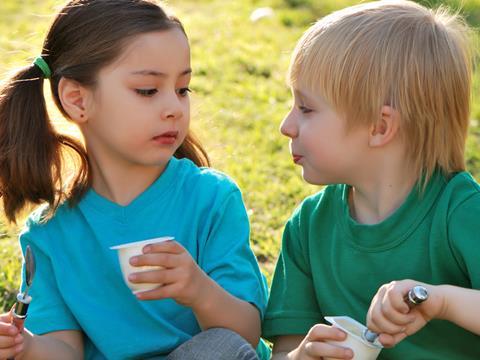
x,y
320,142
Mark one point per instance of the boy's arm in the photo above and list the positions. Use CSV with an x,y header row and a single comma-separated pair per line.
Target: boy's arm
x,y
283,345
61,345
460,306
389,314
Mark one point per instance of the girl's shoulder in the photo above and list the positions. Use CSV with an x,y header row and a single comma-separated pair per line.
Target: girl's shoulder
x,y
206,177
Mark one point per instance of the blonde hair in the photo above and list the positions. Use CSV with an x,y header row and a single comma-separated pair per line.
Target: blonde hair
x,y
397,53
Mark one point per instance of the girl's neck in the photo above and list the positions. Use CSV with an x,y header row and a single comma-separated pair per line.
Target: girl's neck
x,y
380,194
122,183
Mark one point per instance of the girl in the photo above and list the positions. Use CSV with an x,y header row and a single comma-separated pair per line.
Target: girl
x,y
120,70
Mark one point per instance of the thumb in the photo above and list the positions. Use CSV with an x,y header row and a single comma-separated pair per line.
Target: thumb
x,y
7,317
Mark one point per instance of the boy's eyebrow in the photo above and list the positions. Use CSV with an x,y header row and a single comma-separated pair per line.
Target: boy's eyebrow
x,y
158,73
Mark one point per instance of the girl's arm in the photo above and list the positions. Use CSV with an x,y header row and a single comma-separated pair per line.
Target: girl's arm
x,y
215,307
185,282
61,345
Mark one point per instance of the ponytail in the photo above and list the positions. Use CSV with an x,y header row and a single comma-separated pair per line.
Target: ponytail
x,y
30,148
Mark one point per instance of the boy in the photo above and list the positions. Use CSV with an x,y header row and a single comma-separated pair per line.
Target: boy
x,y
381,113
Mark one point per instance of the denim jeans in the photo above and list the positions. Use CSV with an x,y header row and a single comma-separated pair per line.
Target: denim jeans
x,y
214,344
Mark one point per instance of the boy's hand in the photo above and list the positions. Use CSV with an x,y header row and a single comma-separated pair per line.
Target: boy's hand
x,y
181,278
314,345
390,316
11,341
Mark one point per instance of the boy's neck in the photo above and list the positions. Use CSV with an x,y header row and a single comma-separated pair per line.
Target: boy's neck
x,y
122,184
380,194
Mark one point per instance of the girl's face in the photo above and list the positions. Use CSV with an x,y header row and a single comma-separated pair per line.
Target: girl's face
x,y
139,111
320,141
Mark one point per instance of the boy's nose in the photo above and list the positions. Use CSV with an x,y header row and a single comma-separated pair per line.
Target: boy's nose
x,y
288,126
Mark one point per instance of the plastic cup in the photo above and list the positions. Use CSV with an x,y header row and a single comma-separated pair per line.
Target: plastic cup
x,y
126,251
362,349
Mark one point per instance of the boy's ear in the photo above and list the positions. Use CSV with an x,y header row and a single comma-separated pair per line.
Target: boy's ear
x,y
385,129
74,99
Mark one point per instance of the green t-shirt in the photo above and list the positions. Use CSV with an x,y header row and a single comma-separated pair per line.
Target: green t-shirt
x,y
332,265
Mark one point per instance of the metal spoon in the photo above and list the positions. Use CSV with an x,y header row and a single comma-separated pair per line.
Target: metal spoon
x,y
19,313
29,269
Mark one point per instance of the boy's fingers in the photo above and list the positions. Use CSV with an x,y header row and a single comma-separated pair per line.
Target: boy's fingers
x,y
321,332
318,350
391,340
392,314
169,246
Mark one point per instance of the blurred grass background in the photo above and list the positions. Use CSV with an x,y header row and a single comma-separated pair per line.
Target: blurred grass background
x,y
239,100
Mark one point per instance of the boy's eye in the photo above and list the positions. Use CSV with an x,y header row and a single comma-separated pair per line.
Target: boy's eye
x,y
146,92
304,110
184,91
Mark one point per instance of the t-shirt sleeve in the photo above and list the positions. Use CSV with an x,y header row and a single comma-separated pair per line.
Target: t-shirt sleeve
x,y
292,307
47,311
227,256
463,234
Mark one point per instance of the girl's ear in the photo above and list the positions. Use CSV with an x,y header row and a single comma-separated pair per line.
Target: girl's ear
x,y
75,99
386,128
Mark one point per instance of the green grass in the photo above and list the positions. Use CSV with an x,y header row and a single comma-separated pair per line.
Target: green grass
x,y
239,100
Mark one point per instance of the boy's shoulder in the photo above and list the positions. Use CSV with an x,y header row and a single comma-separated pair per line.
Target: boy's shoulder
x,y
321,201
461,188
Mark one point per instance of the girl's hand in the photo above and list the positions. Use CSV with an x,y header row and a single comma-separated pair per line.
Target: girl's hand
x,y
180,279
11,341
315,345
390,316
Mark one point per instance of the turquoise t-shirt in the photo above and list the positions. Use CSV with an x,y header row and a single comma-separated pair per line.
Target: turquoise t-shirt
x,y
78,282
330,265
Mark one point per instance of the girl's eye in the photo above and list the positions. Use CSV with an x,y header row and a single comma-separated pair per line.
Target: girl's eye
x,y
146,92
304,110
184,91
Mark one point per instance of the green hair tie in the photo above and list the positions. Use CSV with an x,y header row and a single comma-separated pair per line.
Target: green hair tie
x,y
42,65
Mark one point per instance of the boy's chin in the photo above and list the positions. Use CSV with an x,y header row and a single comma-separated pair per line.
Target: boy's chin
x,y
317,179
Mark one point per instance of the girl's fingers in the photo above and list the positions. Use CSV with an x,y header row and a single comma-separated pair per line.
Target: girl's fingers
x,y
162,292
11,352
170,246
164,276
8,329
7,342
166,260
319,350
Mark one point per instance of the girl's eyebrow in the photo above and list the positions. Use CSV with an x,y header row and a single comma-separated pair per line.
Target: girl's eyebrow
x,y
158,73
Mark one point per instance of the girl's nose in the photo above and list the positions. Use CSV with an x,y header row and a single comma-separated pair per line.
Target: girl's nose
x,y
288,126
172,108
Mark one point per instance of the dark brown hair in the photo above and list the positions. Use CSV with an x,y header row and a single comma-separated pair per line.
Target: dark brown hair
x,y
85,36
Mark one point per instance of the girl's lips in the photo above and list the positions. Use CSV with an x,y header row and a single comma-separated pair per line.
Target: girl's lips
x,y
167,138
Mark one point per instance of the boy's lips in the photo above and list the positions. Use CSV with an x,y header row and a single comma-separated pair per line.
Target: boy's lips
x,y
296,158
167,138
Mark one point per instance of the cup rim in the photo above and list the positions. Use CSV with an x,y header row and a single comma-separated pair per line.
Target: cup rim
x,y
332,320
142,242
